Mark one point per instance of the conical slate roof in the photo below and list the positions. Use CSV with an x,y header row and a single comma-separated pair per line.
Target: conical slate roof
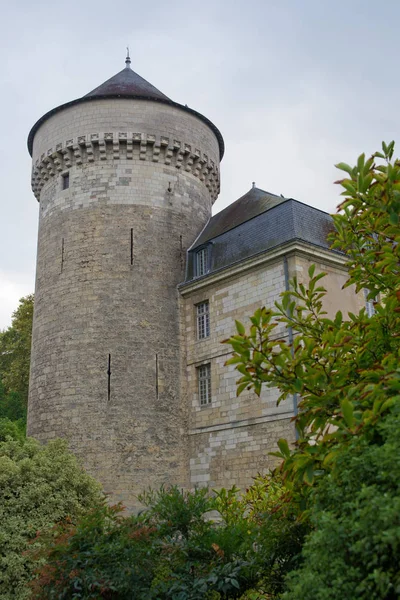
x,y
127,84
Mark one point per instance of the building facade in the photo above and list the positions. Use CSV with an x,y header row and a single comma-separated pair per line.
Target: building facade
x,y
137,285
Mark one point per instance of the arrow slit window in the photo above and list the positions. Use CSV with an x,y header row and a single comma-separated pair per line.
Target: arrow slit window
x,y
65,181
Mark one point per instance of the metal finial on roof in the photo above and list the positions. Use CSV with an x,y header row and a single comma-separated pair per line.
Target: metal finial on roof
x,y
128,59
254,184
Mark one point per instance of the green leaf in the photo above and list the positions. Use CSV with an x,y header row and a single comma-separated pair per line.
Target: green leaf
x,y
360,162
241,387
388,404
349,186
308,476
344,167
240,328
348,412
298,385
284,447
234,360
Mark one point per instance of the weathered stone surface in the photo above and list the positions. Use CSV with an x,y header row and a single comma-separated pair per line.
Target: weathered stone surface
x,y
111,252
230,439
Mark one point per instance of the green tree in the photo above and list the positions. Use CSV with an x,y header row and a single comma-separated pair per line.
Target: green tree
x,y
354,549
12,405
346,372
14,430
15,351
39,486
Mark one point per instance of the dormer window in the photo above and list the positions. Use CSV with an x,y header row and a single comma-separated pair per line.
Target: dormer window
x,y
202,262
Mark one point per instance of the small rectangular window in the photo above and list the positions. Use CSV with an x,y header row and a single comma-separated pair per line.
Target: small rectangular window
x,y
65,181
204,384
201,262
203,320
369,304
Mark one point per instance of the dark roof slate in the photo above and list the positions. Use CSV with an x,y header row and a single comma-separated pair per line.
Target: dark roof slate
x,y
127,83
287,220
251,204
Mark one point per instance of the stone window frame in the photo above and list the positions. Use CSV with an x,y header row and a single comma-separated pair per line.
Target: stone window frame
x,y
204,384
203,319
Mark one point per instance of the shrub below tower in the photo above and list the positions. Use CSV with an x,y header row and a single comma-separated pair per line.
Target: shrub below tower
x,y
39,486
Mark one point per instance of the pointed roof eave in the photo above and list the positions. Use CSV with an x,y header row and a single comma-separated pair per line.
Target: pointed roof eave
x,y
128,85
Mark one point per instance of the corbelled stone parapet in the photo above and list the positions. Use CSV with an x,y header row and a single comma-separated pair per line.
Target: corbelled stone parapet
x,y
128,145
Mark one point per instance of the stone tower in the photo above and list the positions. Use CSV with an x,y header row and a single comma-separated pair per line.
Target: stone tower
x,y
126,179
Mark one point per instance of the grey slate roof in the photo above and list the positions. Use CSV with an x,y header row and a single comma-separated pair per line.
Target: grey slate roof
x,y
269,222
131,86
253,203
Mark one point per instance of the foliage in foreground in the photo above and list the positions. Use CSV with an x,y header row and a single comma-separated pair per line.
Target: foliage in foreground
x,y
174,549
15,356
355,548
342,470
39,486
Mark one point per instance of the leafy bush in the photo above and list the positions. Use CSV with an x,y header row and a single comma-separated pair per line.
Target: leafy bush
x,y
354,551
13,430
172,550
39,486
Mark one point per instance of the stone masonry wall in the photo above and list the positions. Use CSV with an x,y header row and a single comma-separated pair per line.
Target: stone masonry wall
x,y
230,438
111,252
138,130
336,298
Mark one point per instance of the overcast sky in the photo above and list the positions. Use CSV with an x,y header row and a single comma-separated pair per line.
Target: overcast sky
x,y
293,85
